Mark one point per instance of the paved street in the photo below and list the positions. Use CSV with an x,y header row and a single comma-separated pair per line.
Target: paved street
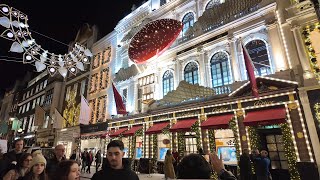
x,y
86,176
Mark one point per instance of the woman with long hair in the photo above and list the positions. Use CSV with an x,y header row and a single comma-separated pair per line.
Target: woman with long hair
x,y
38,165
68,170
23,166
168,166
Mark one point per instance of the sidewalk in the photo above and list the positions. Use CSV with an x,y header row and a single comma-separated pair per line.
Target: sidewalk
x,y
87,176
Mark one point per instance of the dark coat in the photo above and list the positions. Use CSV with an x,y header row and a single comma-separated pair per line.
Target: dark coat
x,y
98,158
110,173
245,167
52,166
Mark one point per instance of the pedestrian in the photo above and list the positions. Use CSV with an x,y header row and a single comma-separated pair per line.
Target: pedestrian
x,y
38,165
68,170
245,165
89,161
175,155
262,166
73,155
22,167
115,168
11,158
195,166
84,161
168,166
98,160
254,154
52,166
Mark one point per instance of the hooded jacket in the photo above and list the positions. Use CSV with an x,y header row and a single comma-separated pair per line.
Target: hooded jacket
x,y
109,173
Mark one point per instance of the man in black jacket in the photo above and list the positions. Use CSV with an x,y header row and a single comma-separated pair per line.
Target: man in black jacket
x,y
52,164
115,168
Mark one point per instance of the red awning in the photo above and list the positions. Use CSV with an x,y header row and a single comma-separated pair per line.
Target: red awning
x,y
107,134
117,133
265,117
217,122
131,131
157,128
183,125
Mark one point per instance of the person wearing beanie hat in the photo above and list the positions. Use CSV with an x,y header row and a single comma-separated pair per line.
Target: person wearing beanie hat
x,y
38,165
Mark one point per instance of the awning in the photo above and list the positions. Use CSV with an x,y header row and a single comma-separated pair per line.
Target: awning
x,y
118,132
217,122
265,117
107,134
157,128
131,131
183,125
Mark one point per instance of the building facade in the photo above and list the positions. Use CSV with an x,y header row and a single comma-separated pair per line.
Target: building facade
x,y
197,95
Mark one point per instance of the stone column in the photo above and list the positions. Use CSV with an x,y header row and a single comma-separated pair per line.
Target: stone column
x,y
278,51
203,76
311,125
304,60
177,73
234,59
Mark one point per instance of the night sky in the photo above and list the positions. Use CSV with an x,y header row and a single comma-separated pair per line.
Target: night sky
x,y
58,19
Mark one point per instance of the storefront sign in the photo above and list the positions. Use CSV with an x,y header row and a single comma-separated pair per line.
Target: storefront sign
x,y
265,102
93,127
314,100
188,113
218,109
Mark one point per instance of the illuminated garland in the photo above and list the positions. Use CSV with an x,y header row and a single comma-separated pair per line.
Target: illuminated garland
x,y
195,129
212,144
290,152
311,52
154,147
255,143
233,127
181,144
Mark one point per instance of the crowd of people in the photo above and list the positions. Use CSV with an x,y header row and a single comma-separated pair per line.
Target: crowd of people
x,y
19,165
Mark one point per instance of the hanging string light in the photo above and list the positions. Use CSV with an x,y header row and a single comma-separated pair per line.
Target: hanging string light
x,y
17,30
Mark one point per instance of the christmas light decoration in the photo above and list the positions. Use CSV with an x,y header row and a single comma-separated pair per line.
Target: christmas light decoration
x,y
181,144
212,148
234,127
195,129
315,65
17,30
290,152
153,39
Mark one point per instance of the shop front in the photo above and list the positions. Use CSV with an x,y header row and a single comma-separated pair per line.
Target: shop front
x,y
70,138
94,137
227,125
45,138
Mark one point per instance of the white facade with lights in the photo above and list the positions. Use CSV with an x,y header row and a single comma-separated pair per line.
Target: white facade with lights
x,y
208,53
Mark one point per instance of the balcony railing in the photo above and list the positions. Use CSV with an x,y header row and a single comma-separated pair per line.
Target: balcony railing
x,y
222,90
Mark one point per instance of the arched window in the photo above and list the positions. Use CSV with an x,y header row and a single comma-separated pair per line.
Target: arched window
x,y
163,2
187,21
167,82
212,3
220,73
257,50
191,73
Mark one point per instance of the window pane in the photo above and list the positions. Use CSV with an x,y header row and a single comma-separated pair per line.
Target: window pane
x,y
282,156
284,165
274,156
272,147
270,139
275,165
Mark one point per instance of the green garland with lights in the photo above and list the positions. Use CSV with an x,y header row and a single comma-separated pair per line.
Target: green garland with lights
x,y
181,144
155,147
212,144
311,52
233,127
255,143
290,152
195,129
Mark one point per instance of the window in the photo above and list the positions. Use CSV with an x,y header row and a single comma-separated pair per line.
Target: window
x,y
37,88
24,96
83,86
125,141
276,150
28,94
257,50
30,124
42,100
28,106
167,82
24,124
38,101
75,88
220,73
163,2
45,124
124,96
191,73
31,93
212,3
24,108
45,83
191,143
20,109
33,103
187,22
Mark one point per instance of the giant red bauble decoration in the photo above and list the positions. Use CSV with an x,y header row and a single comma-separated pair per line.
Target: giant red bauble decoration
x,y
153,39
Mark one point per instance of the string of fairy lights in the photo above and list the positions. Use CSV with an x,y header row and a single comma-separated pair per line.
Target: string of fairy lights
x,y
17,30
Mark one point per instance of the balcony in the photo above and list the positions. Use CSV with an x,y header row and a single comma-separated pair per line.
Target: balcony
x,y
222,90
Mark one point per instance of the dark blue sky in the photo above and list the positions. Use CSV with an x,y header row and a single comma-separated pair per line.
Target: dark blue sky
x,y
59,19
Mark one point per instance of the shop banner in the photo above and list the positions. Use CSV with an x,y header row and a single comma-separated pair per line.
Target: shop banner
x,y
93,128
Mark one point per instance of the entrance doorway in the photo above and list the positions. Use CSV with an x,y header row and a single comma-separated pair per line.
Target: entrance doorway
x,y
272,140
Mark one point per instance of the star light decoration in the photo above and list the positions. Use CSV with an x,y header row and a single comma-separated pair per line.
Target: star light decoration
x,y
17,31
153,39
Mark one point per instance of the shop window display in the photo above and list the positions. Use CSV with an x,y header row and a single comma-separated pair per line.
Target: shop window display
x,y
191,143
163,146
125,141
138,152
224,139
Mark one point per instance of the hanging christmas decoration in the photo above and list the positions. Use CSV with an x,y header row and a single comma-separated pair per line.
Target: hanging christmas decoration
x,y
17,30
153,39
